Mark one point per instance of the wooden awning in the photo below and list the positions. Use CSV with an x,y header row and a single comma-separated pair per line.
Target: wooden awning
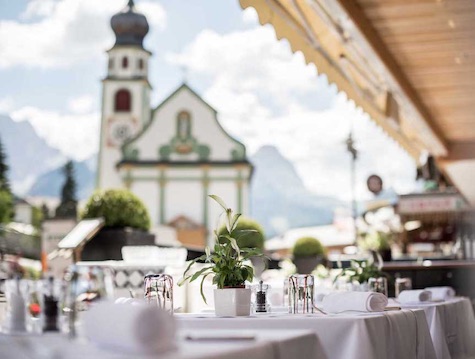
x,y
408,64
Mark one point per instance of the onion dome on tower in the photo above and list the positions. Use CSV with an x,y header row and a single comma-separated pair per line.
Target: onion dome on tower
x,y
129,26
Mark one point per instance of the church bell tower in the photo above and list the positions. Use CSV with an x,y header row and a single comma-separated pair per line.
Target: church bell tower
x,y
125,93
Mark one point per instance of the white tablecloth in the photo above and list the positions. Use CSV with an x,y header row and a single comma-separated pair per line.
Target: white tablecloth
x,y
279,344
452,327
400,334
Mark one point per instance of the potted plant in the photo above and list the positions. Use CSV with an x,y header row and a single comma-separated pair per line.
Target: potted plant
x,y
359,272
227,266
126,223
254,239
380,242
308,252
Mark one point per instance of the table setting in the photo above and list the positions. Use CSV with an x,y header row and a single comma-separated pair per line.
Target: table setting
x,y
79,317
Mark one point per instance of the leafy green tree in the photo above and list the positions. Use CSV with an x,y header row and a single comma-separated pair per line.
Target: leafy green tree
x,y
6,206
119,207
37,217
68,205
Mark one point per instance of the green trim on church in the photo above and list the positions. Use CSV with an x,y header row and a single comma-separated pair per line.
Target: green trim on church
x,y
239,153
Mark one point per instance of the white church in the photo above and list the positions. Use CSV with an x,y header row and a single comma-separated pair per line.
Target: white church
x,y
172,156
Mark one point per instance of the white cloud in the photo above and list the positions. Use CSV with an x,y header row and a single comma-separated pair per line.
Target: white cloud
x,y
81,104
6,104
76,136
59,33
249,16
267,95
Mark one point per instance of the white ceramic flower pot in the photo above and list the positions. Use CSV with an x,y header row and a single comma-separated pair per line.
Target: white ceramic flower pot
x,y
232,302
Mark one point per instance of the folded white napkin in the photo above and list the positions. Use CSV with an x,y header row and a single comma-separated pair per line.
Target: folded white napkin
x,y
441,293
132,328
414,296
354,301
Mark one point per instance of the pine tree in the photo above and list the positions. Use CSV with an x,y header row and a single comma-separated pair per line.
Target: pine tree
x,y
4,184
68,205
6,196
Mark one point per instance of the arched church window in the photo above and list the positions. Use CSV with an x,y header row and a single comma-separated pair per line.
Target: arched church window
x,y
140,64
183,125
122,100
125,62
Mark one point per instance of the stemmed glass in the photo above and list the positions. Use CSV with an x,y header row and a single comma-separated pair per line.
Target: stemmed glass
x,y
85,285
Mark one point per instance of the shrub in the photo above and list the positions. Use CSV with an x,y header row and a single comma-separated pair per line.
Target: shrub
x,y
308,247
250,240
119,208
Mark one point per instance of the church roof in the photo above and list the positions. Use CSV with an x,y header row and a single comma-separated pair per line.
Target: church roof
x,y
129,26
183,86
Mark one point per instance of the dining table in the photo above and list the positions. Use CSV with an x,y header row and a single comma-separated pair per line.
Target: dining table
x,y
393,334
451,325
189,344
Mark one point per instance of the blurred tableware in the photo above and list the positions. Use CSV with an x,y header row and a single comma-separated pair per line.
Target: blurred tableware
x,y
86,285
158,291
301,293
31,291
440,294
354,301
51,292
131,328
402,284
378,285
414,296
15,315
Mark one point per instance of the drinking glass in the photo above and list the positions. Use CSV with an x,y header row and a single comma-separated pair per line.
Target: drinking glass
x,y
301,293
378,285
32,296
402,284
15,313
85,285
158,290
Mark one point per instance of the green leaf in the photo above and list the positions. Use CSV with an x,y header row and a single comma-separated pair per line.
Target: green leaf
x,y
201,288
219,201
200,272
235,245
234,222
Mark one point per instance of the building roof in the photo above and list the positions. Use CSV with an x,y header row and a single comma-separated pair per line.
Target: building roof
x,y
129,26
408,64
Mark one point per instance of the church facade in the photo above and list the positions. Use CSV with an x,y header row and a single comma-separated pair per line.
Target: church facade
x,y
173,156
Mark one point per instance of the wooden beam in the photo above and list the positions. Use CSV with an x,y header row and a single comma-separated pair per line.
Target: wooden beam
x,y
366,29
463,150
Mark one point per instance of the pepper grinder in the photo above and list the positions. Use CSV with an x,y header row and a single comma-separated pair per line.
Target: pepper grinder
x,y
261,299
50,306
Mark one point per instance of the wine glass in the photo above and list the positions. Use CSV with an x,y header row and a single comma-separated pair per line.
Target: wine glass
x,y
85,286
378,285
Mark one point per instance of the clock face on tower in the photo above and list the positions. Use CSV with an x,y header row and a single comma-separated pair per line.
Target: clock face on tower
x,y
119,131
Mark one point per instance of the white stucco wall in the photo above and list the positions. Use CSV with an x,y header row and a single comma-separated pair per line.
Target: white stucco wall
x,y
184,198
204,128
148,192
110,151
23,213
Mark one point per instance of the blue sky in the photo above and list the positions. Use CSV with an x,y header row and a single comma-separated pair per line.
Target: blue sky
x,y
52,58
